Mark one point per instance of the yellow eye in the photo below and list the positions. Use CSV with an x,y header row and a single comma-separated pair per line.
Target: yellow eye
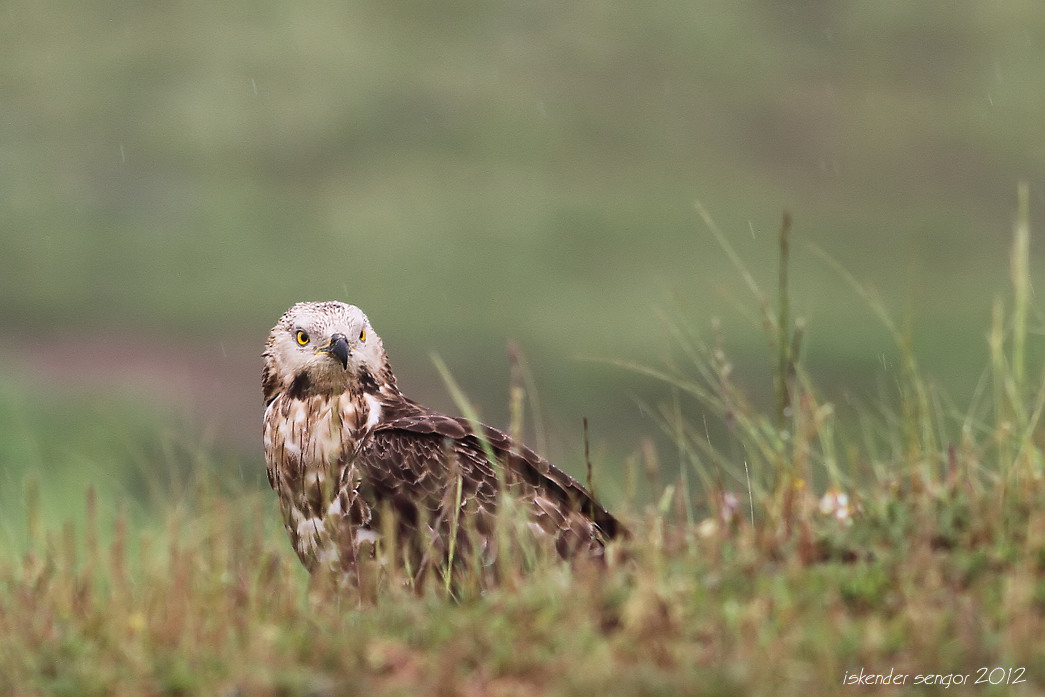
x,y
362,335
302,338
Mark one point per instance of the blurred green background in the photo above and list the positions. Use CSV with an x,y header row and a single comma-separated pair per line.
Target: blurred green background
x,y
174,175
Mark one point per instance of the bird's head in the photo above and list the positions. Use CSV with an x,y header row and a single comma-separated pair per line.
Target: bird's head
x,y
323,347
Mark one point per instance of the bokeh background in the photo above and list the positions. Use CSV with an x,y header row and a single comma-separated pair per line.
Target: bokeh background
x,y
174,175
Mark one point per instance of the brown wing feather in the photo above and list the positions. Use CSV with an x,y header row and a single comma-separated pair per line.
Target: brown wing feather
x,y
407,456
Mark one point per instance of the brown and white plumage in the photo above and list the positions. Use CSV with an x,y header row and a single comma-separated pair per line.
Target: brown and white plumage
x,y
345,449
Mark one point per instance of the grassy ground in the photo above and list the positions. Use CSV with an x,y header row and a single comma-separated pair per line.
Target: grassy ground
x,y
913,548
937,581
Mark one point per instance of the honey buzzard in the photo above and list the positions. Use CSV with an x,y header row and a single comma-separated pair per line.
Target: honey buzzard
x,y
352,459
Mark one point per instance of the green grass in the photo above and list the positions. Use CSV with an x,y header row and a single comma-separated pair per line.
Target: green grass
x,y
933,566
925,583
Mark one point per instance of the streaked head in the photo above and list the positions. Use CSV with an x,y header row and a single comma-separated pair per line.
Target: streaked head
x,y
322,347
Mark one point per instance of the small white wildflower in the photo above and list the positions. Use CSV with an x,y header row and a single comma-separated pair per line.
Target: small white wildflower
x,y
835,503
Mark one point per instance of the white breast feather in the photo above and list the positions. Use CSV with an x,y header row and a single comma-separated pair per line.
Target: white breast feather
x,y
374,410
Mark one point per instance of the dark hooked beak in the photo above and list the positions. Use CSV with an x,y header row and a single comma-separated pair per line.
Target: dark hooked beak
x,y
338,348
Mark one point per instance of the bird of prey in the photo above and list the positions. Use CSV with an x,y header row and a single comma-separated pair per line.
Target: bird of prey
x,y
352,459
